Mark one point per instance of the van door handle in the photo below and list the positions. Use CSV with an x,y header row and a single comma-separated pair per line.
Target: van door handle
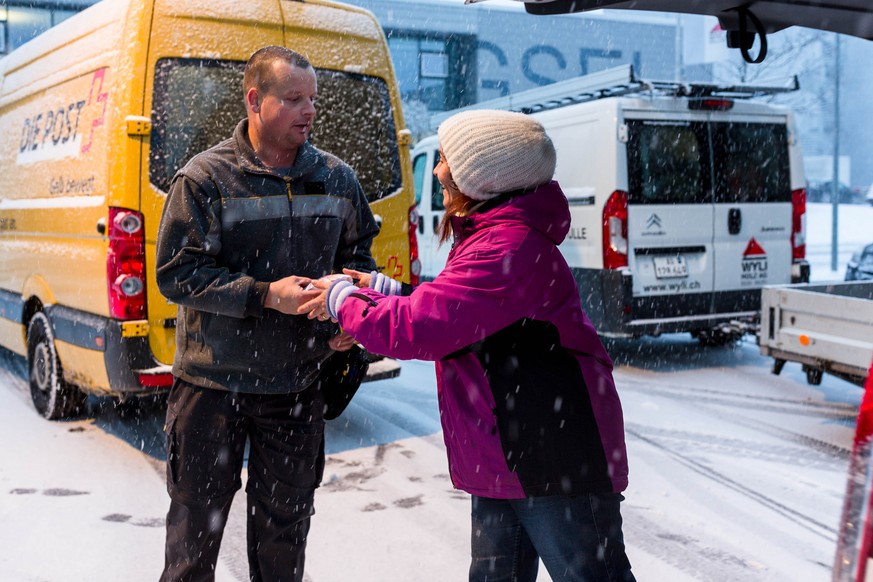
x,y
421,225
436,221
735,221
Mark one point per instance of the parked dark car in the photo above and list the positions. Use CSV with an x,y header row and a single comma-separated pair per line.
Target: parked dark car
x,y
860,267
823,192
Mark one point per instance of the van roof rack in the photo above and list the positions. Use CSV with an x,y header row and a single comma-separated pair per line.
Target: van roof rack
x,y
614,82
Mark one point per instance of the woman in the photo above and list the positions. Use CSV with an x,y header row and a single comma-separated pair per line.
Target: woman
x,y
531,418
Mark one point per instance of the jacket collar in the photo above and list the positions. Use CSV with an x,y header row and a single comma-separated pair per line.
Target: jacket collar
x,y
461,223
543,209
306,161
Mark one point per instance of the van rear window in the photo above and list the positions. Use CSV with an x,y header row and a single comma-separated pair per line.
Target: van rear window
x,y
685,162
751,162
198,102
666,163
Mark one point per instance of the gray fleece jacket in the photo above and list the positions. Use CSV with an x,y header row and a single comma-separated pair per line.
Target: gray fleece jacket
x,y
230,226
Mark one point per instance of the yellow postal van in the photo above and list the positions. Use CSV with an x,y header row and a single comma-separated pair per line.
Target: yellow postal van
x,y
96,116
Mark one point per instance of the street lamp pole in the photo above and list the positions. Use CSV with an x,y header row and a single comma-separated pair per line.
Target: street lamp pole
x,y
835,183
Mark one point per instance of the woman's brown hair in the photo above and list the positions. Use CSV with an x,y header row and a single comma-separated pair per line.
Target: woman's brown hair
x,y
459,204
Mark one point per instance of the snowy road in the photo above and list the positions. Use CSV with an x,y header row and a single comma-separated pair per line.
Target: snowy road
x,y
736,474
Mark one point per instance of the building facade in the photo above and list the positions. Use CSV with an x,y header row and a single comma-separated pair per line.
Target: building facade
x,y
447,55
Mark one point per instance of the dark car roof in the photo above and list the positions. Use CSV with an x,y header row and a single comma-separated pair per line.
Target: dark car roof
x,y
853,17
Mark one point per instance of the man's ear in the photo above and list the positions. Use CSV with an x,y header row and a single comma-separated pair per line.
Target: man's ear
x,y
253,99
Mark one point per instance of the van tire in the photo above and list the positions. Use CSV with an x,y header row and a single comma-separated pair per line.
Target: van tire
x,y
52,397
716,337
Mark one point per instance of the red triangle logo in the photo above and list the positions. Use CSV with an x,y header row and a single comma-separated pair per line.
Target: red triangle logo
x,y
753,249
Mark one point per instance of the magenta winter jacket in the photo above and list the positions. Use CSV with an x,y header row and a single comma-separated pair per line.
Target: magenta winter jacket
x,y
527,400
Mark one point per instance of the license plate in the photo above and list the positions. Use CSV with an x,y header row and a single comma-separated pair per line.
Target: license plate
x,y
670,267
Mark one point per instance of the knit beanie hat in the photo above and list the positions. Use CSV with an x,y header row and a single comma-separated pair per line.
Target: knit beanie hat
x,y
490,152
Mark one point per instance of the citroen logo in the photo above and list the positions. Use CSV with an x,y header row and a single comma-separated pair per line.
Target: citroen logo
x,y
654,220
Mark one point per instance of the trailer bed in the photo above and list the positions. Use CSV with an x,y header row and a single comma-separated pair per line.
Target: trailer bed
x,y
827,328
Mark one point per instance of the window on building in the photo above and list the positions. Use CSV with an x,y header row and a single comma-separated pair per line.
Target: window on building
x,y
433,71
59,16
23,24
4,17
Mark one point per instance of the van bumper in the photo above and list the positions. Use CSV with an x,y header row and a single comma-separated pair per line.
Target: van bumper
x,y
130,365
608,300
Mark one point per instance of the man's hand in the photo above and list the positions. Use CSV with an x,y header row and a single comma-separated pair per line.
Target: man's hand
x,y
288,294
342,342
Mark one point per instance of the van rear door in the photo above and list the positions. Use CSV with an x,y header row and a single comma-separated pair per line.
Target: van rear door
x,y
194,100
670,217
709,213
752,231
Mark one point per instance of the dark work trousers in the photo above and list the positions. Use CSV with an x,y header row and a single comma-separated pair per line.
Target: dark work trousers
x,y
206,437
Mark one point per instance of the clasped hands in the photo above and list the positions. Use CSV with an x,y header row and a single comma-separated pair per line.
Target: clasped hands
x,y
301,295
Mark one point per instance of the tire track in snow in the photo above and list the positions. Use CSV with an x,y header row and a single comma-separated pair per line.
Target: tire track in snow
x,y
716,401
810,524
831,410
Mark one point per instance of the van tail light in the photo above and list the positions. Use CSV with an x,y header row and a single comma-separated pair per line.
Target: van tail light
x,y
125,264
710,104
798,224
414,261
164,380
615,231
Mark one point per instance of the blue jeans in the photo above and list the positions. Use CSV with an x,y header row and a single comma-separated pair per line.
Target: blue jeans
x,y
578,538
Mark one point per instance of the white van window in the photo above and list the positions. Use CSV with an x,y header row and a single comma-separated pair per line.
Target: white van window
x,y
751,162
696,162
419,171
198,102
666,163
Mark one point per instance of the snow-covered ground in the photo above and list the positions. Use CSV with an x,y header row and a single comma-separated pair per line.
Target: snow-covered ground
x,y
736,474
854,229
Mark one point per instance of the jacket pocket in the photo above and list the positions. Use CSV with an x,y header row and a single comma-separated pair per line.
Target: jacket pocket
x,y
317,240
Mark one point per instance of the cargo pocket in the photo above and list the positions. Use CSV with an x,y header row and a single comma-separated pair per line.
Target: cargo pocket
x,y
287,465
203,463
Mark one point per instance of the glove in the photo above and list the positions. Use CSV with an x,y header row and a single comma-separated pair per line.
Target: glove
x,y
340,289
384,285
336,294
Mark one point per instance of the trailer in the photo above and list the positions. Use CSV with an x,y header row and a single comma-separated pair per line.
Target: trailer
x,y
825,327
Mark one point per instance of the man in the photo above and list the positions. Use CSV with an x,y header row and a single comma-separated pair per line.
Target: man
x,y
246,226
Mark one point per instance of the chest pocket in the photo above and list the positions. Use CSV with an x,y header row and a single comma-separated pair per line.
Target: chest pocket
x,y
252,228
317,229
316,241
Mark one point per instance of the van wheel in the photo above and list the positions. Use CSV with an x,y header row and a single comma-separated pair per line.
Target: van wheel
x,y
52,397
717,338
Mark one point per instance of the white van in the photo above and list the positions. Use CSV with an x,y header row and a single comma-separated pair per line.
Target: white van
x,y
685,200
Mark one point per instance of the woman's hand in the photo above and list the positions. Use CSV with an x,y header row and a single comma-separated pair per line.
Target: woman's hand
x,y
361,279
316,308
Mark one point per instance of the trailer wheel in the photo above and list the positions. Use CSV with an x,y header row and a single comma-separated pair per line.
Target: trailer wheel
x,y
813,375
52,397
778,364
